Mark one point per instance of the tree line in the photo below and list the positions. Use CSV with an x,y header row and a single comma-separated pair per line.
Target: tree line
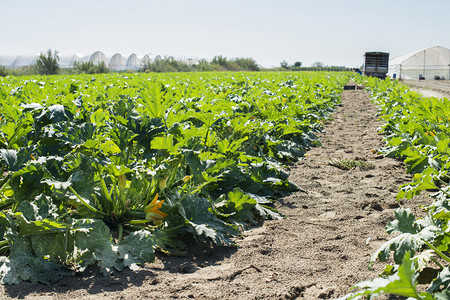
x,y
47,63
317,66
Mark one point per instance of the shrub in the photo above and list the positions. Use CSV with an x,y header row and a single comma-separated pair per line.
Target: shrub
x,y
47,63
166,64
218,63
88,67
3,71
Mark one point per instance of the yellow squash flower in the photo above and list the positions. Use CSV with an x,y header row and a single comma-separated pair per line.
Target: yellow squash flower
x,y
152,212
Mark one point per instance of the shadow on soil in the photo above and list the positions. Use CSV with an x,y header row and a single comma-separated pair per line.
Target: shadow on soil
x,y
92,281
95,283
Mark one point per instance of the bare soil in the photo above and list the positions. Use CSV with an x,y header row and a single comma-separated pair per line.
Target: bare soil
x,y
318,251
430,88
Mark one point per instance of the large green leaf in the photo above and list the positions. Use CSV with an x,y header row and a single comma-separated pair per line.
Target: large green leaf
x,y
442,281
14,270
402,283
204,225
23,265
97,247
136,249
40,226
15,160
413,236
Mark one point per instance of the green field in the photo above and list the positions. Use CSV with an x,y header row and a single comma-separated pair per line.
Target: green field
x,y
105,170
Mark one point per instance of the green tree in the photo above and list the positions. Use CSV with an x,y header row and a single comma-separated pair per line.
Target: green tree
x,y
246,64
101,68
47,63
220,60
3,71
318,64
284,65
297,64
88,67
83,67
166,64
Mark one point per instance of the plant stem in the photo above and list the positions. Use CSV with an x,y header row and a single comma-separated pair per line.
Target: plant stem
x,y
65,214
114,194
66,236
87,204
437,251
442,190
105,191
175,228
134,222
6,203
4,243
438,263
5,181
119,239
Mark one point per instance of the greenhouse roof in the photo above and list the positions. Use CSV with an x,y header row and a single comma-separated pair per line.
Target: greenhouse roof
x,y
437,51
117,62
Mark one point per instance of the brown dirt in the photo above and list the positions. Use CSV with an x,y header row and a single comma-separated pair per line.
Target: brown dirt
x,y
318,251
430,88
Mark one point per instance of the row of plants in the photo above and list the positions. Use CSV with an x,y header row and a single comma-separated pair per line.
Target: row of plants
x,y
104,170
417,131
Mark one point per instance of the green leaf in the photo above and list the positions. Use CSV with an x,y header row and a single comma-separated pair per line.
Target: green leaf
x,y
442,282
404,223
444,295
14,270
266,212
169,241
8,158
238,207
96,246
136,249
165,143
22,265
29,210
225,146
402,283
39,227
15,160
53,114
53,246
414,234
5,225
109,147
196,166
204,225
93,240
99,117
117,171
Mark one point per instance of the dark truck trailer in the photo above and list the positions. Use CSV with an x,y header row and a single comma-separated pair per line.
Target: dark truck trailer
x,y
376,64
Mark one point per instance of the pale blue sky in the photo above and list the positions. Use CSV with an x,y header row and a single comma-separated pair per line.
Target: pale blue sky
x,y
335,32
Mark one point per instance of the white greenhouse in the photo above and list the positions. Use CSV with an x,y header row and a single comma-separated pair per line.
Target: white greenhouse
x,y
117,62
431,63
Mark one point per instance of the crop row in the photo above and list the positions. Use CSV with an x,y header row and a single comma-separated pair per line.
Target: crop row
x,y
105,170
417,131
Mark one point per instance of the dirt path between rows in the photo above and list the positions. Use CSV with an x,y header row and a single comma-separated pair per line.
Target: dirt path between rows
x,y
318,251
